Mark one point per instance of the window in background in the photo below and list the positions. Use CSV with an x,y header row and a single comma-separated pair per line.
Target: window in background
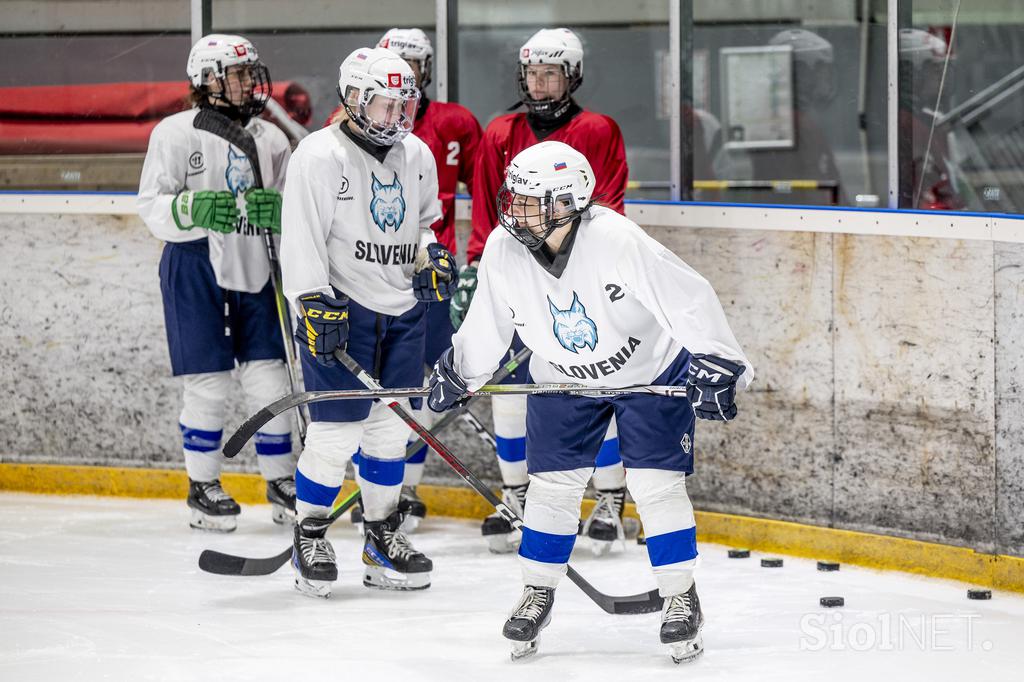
x,y
965,113
824,127
77,106
623,69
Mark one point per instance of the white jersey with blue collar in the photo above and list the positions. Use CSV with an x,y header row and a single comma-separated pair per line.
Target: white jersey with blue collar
x,y
619,313
355,222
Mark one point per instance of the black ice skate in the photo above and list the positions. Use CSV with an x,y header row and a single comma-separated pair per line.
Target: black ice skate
x,y
531,615
391,562
281,496
313,558
604,525
412,507
681,623
212,508
501,537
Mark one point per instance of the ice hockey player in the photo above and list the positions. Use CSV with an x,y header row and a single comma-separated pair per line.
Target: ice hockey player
x,y
359,261
200,194
599,303
550,70
452,133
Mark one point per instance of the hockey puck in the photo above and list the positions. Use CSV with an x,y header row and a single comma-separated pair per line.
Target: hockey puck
x,y
739,553
832,602
828,565
979,594
771,563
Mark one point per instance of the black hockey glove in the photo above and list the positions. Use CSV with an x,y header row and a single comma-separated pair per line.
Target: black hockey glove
x,y
711,387
323,326
436,275
447,388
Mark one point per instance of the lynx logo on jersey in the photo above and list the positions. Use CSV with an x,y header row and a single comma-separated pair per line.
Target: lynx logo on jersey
x,y
572,327
388,205
239,174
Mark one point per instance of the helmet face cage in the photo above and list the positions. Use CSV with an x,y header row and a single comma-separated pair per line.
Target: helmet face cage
x,y
542,212
358,102
244,87
549,108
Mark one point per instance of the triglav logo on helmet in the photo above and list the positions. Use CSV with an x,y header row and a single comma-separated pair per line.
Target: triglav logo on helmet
x,y
394,80
572,327
388,205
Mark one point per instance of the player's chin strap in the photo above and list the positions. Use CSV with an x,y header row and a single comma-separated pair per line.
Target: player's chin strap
x,y
645,602
231,131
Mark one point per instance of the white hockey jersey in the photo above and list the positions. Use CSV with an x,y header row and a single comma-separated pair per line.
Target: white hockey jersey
x,y
621,311
180,158
357,223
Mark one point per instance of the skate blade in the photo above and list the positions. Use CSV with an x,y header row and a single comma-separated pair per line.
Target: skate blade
x,y
381,578
410,524
503,543
282,515
216,524
521,650
313,588
685,652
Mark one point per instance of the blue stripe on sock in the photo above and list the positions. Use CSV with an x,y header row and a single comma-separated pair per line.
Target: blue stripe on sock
x,y
273,443
671,548
546,547
381,471
609,453
418,457
198,440
511,449
311,492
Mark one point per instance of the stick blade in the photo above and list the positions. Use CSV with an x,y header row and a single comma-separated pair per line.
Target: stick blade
x,y
645,602
246,431
219,563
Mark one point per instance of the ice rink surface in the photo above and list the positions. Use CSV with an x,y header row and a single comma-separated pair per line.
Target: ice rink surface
x,y
109,589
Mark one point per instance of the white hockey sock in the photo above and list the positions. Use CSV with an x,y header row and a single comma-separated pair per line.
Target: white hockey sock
x,y
551,520
667,515
382,462
202,423
321,468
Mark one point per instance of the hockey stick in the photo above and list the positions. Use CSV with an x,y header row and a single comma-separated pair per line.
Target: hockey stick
x,y
645,602
220,563
255,422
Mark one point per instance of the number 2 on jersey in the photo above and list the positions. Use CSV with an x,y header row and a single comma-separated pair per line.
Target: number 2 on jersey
x,y
453,153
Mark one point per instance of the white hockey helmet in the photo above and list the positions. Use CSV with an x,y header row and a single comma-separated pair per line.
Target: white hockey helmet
x,y
379,93
813,63
558,46
546,186
211,58
412,45
921,47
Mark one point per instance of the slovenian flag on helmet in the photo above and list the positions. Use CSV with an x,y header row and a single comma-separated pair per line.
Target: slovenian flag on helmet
x,y
560,165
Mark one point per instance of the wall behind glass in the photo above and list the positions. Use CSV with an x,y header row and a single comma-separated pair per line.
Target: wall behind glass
x,y
790,101
622,45
965,115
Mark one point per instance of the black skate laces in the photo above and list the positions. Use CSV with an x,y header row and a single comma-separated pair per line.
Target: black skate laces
x,y
214,492
532,604
677,608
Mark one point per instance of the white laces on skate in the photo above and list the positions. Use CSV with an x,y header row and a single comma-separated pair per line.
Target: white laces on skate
x,y
608,506
532,605
398,544
214,492
515,498
287,487
677,608
316,551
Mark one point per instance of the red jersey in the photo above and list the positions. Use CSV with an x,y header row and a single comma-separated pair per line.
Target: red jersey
x,y
596,136
453,134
